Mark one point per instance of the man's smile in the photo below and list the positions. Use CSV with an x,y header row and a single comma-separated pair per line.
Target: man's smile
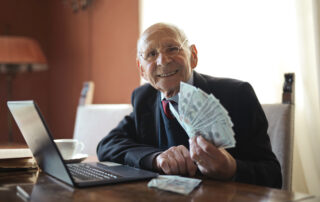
x,y
168,74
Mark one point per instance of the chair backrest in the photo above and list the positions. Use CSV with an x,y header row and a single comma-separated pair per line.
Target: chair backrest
x,y
281,124
86,94
95,121
280,118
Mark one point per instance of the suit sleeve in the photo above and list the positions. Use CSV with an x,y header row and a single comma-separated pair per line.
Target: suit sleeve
x,y
123,145
256,163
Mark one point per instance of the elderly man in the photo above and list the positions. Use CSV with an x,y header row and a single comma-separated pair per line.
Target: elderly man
x,y
149,138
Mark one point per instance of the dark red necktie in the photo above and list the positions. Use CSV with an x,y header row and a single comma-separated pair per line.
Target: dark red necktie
x,y
166,108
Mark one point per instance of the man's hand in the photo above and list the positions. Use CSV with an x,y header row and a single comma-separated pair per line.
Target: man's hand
x,y
213,162
175,160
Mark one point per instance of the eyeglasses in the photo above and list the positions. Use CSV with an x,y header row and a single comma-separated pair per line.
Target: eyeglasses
x,y
153,54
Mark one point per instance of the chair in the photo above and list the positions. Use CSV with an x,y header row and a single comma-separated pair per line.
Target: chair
x,y
94,121
86,94
281,122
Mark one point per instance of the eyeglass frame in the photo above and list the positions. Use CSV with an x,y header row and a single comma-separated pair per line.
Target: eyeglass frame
x,y
179,49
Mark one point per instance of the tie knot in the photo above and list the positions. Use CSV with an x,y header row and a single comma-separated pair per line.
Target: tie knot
x,y
166,108
168,101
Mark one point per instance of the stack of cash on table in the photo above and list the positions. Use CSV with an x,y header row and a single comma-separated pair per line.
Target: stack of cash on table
x,y
175,183
202,114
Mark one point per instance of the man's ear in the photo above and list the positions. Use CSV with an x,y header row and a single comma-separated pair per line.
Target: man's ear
x,y
141,70
194,56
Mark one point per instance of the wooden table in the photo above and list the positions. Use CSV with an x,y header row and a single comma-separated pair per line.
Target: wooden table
x,y
44,188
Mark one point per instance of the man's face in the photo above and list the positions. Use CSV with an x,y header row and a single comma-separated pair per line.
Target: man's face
x,y
164,70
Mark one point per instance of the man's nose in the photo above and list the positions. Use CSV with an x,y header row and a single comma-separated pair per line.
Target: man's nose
x,y
163,59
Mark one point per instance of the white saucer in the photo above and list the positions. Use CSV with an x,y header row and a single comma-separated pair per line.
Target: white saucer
x,y
76,158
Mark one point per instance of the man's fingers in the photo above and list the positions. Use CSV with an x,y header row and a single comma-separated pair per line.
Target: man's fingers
x,y
190,167
206,146
162,164
173,164
167,162
198,151
176,160
180,159
192,147
211,161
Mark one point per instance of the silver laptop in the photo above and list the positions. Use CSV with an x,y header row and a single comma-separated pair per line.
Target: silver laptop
x,y
39,139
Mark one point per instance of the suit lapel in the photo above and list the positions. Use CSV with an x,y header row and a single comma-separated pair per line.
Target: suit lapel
x,y
151,119
200,82
157,117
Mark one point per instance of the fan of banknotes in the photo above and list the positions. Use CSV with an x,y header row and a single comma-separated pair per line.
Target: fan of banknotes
x,y
202,114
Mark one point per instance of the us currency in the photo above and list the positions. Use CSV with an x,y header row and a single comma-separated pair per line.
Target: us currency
x,y
175,183
208,114
198,100
192,99
216,133
202,114
213,113
185,93
179,118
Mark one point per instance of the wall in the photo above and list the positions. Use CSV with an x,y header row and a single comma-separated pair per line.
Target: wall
x,y
95,44
22,18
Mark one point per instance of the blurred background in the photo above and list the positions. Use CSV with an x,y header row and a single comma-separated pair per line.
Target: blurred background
x,y
252,40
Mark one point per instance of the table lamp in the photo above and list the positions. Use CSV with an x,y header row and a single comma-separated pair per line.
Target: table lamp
x,y
18,55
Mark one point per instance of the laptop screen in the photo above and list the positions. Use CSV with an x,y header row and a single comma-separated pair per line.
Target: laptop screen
x,y
38,137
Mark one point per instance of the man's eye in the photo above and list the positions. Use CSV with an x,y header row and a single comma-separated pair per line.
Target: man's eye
x,y
152,54
173,49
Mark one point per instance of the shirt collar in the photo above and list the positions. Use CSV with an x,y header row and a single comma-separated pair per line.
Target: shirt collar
x,y
176,97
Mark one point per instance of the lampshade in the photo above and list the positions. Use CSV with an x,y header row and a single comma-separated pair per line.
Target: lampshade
x,y
17,55
20,54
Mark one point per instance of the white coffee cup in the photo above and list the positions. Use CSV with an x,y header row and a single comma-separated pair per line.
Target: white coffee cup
x,y
69,147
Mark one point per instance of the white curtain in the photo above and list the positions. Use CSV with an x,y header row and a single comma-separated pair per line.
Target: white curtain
x,y
307,124
258,41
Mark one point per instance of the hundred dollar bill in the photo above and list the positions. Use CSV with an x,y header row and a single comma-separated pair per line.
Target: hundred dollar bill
x,y
185,93
197,101
175,183
212,112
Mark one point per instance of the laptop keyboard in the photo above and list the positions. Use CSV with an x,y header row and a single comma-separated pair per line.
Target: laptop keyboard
x,y
88,172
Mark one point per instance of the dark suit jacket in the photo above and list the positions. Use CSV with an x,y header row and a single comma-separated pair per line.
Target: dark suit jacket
x,y
136,135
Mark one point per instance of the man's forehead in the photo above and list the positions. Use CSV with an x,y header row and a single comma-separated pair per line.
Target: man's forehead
x,y
156,37
162,41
